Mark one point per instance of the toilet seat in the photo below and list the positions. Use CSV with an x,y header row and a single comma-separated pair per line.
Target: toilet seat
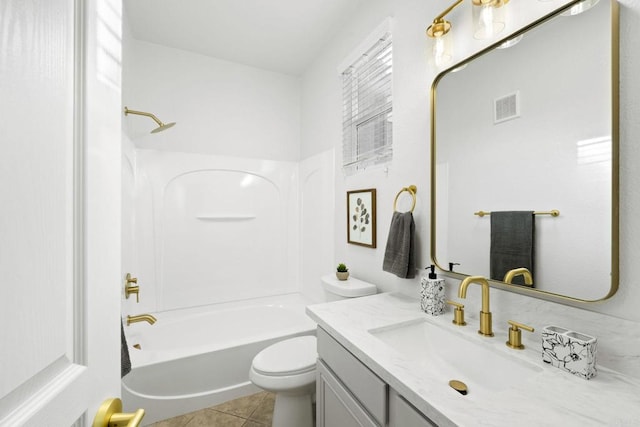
x,y
294,356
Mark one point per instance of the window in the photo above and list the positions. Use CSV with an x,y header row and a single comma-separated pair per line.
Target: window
x,y
367,113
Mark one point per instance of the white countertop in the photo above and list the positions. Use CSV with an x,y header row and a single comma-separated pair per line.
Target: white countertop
x,y
550,398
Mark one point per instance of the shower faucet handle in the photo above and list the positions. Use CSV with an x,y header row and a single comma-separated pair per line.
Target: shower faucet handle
x,y
131,287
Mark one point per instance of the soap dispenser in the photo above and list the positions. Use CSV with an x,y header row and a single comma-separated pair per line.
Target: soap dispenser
x,y
432,299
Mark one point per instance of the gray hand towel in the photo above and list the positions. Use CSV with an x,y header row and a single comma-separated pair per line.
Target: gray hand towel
x,y
399,257
125,361
512,243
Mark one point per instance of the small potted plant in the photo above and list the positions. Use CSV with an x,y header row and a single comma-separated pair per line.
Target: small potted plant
x,y
342,272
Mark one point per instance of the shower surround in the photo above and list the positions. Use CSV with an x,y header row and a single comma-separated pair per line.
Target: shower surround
x,y
212,229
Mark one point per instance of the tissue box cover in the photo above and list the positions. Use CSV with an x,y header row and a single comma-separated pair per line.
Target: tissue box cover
x,y
570,351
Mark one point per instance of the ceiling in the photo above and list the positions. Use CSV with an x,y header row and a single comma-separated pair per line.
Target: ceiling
x,y
277,35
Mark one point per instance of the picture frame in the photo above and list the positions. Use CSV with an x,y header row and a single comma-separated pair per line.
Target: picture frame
x,y
361,217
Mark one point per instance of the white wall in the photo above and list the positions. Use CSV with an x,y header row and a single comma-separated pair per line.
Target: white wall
x,y
220,107
128,253
614,321
316,189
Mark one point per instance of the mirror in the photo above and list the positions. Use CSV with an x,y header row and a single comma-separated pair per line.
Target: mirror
x,y
532,127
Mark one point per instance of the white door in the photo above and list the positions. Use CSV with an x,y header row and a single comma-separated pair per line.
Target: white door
x,y
59,209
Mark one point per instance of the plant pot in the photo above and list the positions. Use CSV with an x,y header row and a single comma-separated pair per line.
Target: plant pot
x,y
342,275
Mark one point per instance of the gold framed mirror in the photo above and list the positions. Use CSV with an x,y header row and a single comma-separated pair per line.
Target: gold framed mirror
x,y
534,128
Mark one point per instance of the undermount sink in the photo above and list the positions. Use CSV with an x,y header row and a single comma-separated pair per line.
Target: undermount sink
x,y
455,357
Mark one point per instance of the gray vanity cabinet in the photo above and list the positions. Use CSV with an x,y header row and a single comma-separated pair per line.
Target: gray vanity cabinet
x,y
348,394
403,414
335,405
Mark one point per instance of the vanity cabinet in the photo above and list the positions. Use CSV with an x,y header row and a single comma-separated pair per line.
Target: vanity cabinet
x,y
350,394
403,414
335,405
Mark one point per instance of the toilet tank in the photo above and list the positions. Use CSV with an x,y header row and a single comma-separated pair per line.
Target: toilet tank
x,y
336,290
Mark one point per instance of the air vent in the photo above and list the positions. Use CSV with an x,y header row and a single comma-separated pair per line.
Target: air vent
x,y
506,108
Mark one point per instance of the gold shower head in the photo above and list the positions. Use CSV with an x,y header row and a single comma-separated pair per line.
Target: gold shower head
x,y
161,126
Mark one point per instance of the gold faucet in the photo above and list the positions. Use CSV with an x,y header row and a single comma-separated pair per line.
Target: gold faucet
x,y
511,274
485,313
141,318
458,313
515,334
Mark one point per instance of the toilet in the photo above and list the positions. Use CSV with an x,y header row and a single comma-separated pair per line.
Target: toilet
x,y
288,368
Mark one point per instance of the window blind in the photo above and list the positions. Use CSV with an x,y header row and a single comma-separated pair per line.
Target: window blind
x,y
367,112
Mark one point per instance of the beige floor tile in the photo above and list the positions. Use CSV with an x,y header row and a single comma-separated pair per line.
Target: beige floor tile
x,y
242,407
211,418
255,410
180,421
264,412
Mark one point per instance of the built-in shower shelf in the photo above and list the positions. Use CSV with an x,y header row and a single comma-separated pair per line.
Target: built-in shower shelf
x,y
222,218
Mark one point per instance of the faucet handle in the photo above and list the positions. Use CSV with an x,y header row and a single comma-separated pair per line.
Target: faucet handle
x,y
129,288
458,313
515,334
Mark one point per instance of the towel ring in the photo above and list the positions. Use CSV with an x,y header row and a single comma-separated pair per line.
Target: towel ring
x,y
412,189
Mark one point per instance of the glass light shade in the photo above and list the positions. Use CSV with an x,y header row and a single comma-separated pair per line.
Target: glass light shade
x,y
440,43
488,18
442,50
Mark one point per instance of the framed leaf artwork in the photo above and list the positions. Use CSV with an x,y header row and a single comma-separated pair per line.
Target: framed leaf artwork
x,y
361,217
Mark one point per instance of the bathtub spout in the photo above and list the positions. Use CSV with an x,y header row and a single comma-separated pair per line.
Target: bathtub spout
x,y
141,318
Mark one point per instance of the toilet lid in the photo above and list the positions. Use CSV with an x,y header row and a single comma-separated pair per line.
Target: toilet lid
x,y
350,288
289,357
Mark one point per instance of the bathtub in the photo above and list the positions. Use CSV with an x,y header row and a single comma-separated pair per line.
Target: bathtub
x,y
195,358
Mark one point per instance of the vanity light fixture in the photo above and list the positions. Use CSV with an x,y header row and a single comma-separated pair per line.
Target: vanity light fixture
x,y
488,18
439,32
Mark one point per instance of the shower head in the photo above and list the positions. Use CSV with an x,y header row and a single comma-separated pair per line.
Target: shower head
x,y
161,126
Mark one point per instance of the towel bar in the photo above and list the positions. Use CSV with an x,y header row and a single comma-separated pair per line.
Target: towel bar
x,y
412,189
554,212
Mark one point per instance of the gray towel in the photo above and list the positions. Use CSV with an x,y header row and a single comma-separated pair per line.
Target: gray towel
x,y
125,362
512,243
399,257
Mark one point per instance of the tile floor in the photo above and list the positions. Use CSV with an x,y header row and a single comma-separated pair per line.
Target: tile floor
x,y
250,411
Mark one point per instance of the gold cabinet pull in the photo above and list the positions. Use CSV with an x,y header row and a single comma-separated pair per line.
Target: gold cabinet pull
x,y
110,415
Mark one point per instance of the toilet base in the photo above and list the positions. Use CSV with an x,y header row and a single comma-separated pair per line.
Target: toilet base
x,y
293,410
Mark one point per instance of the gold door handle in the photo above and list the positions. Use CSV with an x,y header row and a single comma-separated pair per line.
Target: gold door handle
x,y
110,415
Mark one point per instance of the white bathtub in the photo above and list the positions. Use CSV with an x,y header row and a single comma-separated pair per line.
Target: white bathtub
x,y
195,358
